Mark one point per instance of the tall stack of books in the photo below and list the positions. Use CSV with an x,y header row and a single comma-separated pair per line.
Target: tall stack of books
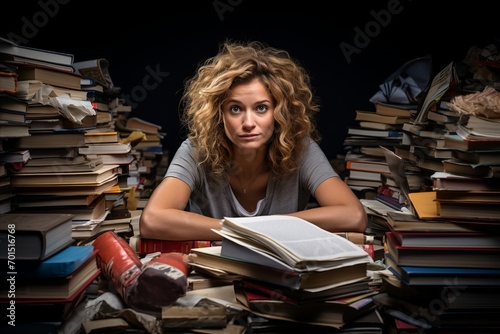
x,y
49,276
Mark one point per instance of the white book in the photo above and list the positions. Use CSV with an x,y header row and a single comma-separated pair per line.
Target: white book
x,y
293,241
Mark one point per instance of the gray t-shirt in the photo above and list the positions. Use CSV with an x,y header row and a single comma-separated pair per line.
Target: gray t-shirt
x,y
215,199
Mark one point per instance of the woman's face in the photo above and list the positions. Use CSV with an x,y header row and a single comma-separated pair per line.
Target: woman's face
x,y
249,115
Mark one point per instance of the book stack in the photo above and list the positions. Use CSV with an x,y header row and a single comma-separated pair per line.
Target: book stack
x,y
296,283
49,291
47,274
430,253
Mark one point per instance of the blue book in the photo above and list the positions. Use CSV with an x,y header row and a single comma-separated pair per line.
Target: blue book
x,y
444,276
61,264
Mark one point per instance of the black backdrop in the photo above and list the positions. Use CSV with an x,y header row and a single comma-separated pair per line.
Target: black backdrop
x,y
349,48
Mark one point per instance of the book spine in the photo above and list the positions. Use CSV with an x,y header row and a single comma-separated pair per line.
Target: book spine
x,y
147,246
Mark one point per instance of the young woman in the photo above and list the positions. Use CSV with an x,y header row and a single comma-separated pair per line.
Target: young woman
x,y
251,151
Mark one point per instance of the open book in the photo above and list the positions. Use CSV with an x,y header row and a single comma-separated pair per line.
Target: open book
x,y
288,240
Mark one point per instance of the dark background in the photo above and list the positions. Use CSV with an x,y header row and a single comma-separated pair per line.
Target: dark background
x,y
176,36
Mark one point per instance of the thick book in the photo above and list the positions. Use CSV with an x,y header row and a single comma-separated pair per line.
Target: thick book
x,y
13,130
68,189
333,313
371,116
374,133
471,211
302,246
61,288
314,280
59,165
446,257
61,140
144,246
135,123
102,137
61,264
435,276
368,166
299,296
102,174
458,167
34,236
106,148
9,103
452,182
15,60
398,110
401,221
447,239
487,157
49,76
472,144
96,210
8,81
10,48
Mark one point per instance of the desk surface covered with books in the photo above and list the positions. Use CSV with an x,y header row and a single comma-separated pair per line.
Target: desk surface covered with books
x,y
260,279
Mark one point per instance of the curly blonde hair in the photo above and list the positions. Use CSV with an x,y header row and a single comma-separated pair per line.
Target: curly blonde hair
x,y
286,81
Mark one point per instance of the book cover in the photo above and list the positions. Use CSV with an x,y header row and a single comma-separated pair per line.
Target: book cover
x,y
14,130
447,239
69,189
472,144
49,76
371,116
145,246
60,288
435,276
106,148
94,211
61,264
34,236
59,165
447,257
11,48
103,173
63,140
8,81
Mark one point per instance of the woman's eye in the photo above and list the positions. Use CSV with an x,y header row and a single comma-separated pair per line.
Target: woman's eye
x,y
234,109
262,108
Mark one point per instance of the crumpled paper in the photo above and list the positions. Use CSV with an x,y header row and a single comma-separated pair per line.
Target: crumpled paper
x,y
485,104
72,109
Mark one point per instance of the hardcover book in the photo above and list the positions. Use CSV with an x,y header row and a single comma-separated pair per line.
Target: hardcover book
x,y
103,173
49,76
58,288
61,264
10,48
446,257
34,236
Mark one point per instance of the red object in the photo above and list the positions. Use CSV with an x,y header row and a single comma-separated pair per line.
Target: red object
x,y
145,288
117,261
